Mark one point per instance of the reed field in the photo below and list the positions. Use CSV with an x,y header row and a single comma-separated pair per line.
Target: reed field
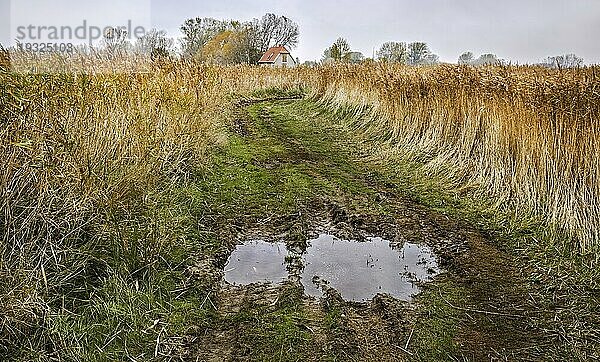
x,y
525,136
84,152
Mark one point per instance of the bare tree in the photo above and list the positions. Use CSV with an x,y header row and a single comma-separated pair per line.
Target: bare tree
x,y
355,57
155,44
272,30
465,58
116,41
431,59
417,53
396,52
564,61
487,59
199,31
338,51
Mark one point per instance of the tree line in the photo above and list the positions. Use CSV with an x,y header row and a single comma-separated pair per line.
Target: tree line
x,y
419,53
416,53
211,40
558,61
235,42
231,42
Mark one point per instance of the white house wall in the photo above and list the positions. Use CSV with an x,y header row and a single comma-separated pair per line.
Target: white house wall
x,y
279,61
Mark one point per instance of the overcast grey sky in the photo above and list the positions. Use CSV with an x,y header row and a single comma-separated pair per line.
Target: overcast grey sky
x,y
519,30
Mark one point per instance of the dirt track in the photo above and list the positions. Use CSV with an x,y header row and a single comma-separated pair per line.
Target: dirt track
x,y
481,308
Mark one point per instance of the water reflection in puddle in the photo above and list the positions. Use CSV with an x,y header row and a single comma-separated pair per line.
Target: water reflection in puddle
x,y
360,270
257,261
357,270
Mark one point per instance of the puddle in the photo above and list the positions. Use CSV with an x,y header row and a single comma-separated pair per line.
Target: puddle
x,y
360,270
357,270
257,261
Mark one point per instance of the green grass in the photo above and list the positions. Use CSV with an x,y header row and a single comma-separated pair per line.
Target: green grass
x,y
273,332
436,322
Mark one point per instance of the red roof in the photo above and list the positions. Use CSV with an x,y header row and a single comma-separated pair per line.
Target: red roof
x,y
271,54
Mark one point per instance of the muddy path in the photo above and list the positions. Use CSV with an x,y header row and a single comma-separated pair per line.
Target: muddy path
x,y
290,174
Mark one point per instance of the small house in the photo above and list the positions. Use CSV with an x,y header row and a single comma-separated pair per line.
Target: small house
x,y
278,56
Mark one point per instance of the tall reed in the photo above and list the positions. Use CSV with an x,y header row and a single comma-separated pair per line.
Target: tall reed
x,y
525,136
